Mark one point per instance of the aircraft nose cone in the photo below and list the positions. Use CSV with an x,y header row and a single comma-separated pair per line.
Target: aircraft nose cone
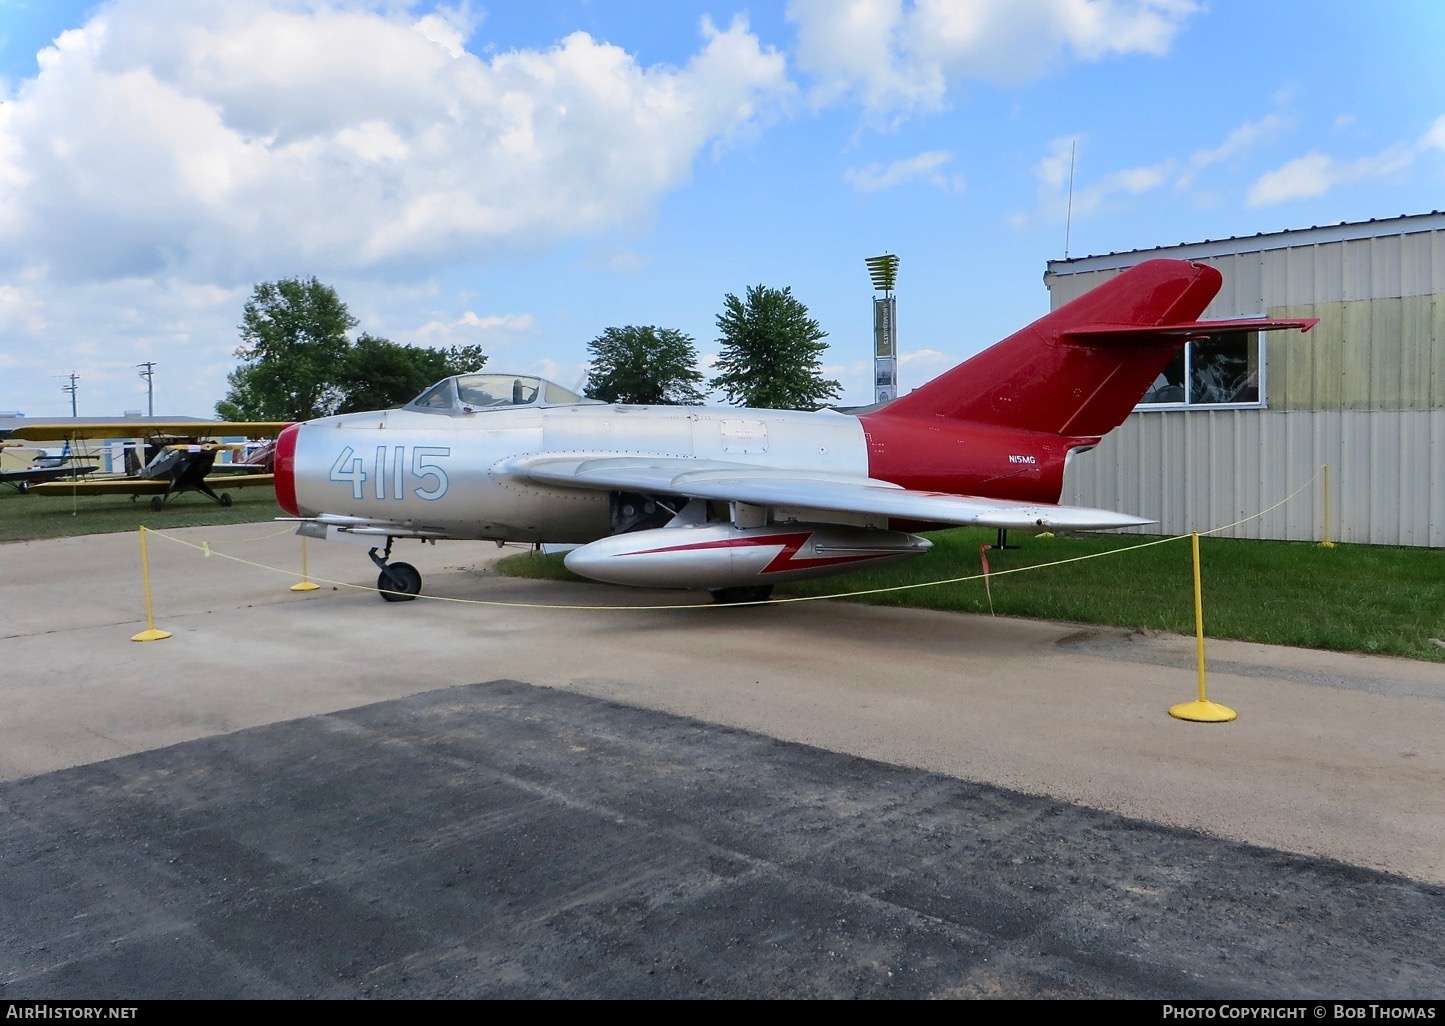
x,y
285,480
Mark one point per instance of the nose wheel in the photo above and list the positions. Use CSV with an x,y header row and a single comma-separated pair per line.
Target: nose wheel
x,y
397,582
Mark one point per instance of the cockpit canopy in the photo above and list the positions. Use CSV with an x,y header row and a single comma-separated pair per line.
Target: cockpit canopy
x,y
474,393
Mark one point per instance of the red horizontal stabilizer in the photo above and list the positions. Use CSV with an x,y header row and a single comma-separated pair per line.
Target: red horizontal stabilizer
x,y
1081,369
1040,379
1103,334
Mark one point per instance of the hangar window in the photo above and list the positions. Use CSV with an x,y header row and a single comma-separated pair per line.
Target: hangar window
x,y
1226,369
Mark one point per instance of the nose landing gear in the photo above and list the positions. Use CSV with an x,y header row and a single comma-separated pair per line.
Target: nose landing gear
x,y
397,582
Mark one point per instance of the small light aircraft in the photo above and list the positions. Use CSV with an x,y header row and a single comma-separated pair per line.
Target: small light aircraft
x,y
177,460
45,467
733,500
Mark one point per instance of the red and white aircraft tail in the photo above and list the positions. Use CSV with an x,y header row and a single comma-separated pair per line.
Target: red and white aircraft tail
x,y
1055,387
1067,373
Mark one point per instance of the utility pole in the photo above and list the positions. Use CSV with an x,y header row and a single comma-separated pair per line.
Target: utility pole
x,y
148,371
71,389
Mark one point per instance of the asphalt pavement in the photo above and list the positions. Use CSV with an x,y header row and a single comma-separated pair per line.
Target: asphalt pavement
x,y
536,789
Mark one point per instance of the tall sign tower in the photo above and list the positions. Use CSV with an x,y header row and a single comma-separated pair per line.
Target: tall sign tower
x,y
884,272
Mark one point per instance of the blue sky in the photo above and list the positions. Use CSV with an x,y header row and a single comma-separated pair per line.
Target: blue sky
x,y
525,175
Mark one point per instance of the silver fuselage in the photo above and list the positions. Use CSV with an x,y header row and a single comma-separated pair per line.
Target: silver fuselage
x,y
457,473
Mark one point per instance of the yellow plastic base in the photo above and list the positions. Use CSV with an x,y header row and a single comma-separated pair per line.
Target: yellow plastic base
x,y
1327,545
305,586
1203,712
151,635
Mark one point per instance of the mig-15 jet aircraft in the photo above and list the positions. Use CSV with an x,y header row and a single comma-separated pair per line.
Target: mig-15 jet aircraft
x,y
733,500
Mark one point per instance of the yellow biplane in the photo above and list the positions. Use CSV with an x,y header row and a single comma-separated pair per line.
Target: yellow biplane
x,y
168,457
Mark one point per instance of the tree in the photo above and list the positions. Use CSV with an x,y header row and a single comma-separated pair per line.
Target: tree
x,y
645,366
378,374
464,360
298,362
293,341
242,400
770,353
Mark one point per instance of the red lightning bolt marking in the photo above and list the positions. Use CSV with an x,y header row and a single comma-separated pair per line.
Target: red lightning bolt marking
x,y
784,560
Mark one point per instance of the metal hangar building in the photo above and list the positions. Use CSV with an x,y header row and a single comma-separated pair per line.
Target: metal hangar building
x,y
1238,422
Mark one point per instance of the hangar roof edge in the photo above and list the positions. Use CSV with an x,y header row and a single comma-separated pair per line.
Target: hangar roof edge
x,y
1315,235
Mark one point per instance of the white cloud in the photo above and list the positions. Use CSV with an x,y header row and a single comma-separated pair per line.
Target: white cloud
x,y
492,331
624,262
1315,174
20,310
922,365
1052,171
449,27
509,322
925,167
224,141
1055,170
167,155
1434,137
1302,178
1237,143
1131,181
903,54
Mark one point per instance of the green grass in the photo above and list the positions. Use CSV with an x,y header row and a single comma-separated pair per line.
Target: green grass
x,y
24,517
1352,598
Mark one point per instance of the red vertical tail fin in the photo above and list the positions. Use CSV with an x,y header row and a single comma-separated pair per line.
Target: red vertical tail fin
x,y
1079,370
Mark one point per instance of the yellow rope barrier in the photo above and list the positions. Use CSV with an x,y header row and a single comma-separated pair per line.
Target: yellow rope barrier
x,y
207,549
204,546
305,584
1201,710
1271,509
265,537
150,633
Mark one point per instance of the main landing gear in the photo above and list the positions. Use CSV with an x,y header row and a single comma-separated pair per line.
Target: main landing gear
x,y
158,502
397,582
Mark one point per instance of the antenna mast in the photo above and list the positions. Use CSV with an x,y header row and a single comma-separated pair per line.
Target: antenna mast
x,y
1069,216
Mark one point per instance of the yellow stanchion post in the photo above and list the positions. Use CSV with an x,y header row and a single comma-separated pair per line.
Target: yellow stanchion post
x,y
1203,710
1327,543
150,633
305,584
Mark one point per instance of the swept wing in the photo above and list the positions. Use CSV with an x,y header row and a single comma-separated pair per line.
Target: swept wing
x,y
839,493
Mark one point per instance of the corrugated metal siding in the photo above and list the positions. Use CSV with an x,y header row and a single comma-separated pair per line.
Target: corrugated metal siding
x,y
1384,354
1243,289
1364,392
1437,351
1381,341
1198,470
